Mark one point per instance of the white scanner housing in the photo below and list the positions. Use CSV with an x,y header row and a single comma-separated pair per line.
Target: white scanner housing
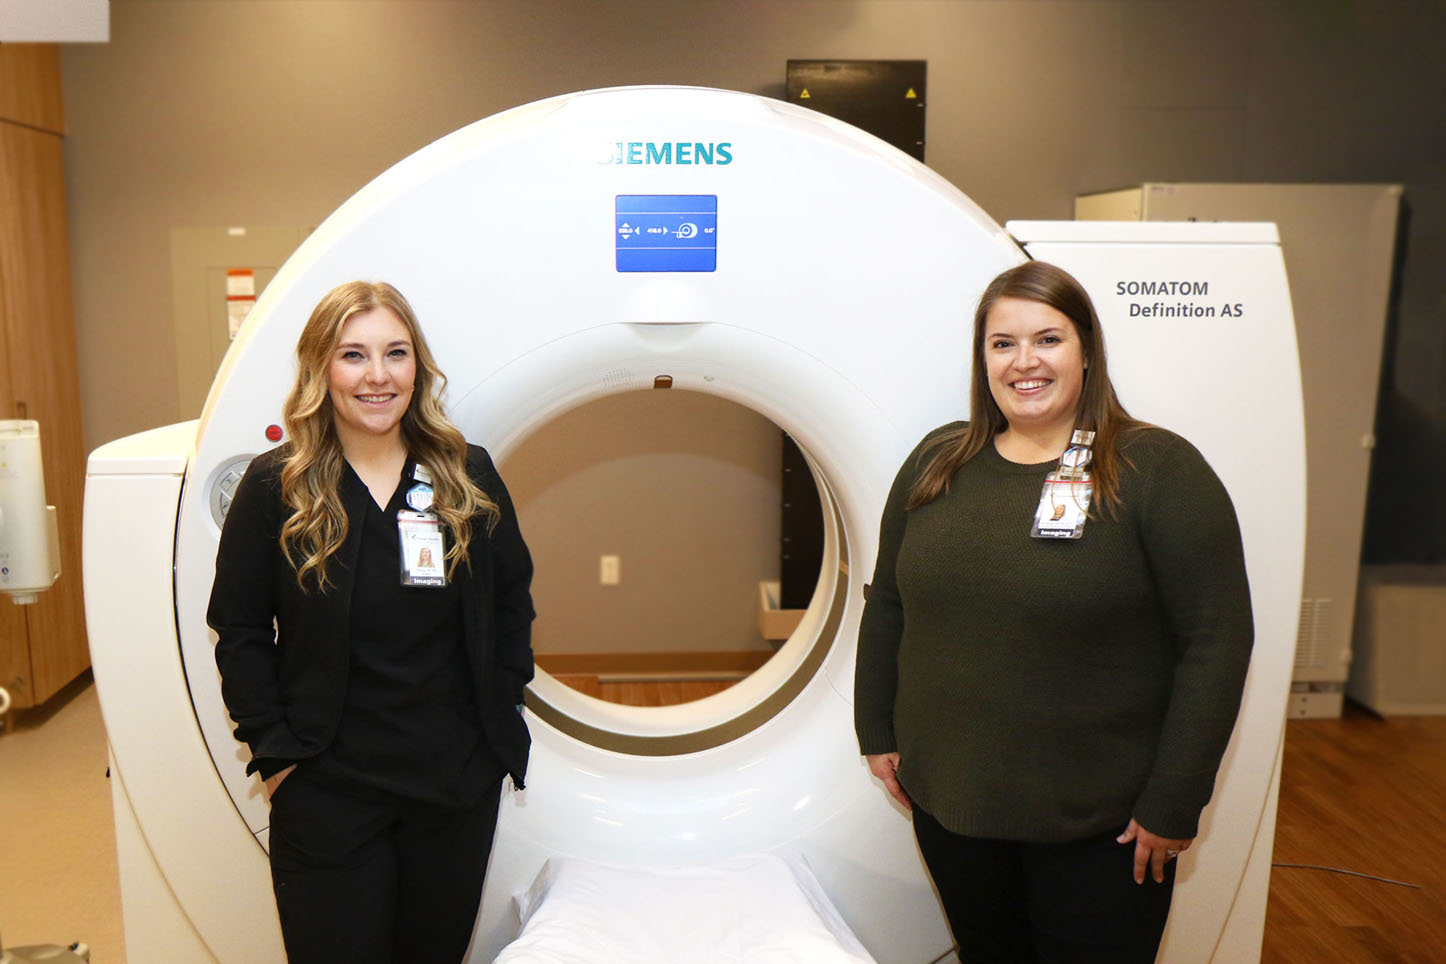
x,y
838,304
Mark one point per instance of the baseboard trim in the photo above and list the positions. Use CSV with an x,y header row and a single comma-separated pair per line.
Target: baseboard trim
x,y
627,667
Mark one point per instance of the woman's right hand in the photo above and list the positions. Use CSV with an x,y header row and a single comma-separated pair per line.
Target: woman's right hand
x,y
885,767
274,781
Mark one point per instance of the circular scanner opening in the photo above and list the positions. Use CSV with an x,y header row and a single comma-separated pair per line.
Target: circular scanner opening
x,y
667,529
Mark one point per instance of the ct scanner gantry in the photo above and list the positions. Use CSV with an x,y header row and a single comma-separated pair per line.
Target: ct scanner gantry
x,y
589,244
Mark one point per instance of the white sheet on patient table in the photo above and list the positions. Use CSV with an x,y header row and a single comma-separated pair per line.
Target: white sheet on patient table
x,y
753,909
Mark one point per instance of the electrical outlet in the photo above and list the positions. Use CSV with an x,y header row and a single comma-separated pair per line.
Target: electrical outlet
x,y
610,572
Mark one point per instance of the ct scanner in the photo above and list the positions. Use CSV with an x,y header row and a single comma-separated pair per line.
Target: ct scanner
x,y
617,240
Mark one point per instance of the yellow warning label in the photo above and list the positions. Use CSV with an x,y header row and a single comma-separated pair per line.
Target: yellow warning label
x,y
911,95
805,95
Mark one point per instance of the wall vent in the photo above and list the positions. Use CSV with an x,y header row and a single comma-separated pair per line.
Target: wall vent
x,y
1310,636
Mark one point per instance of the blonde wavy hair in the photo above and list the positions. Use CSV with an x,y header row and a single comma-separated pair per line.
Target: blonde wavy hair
x,y
311,472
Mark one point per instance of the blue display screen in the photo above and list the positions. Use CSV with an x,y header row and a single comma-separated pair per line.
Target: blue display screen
x,y
667,232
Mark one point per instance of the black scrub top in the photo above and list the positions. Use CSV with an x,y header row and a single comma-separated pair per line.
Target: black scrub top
x,y
410,727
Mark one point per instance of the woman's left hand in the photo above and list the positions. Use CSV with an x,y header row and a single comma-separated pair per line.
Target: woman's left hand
x,y
1152,851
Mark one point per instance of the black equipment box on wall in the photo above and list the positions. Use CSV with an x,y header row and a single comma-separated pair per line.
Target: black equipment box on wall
x,y
885,98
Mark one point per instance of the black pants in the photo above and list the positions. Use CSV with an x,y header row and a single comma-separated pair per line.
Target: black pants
x,y
376,883
1021,903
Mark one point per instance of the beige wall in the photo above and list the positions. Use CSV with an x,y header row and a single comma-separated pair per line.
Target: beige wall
x,y
265,113
683,488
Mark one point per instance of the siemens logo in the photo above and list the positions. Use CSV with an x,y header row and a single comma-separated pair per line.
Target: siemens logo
x,y
673,153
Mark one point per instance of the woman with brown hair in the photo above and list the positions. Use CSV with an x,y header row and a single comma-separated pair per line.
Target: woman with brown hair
x,y
380,698
1055,642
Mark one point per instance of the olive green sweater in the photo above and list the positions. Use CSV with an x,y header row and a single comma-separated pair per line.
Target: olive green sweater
x,y
1046,690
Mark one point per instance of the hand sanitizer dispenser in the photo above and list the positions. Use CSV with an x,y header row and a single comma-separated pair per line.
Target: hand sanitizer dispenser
x,y
29,537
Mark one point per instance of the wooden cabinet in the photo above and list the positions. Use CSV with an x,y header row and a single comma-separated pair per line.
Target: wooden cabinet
x,y
42,646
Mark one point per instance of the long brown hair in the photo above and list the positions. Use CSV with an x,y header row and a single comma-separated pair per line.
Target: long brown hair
x,y
1099,411
311,473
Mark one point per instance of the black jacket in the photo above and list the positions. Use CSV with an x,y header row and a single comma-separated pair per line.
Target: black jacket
x,y
285,686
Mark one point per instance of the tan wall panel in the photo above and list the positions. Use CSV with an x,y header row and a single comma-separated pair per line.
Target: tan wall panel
x,y
37,317
15,673
30,92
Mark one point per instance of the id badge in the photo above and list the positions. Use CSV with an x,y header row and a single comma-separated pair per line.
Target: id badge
x,y
1064,502
423,549
1063,506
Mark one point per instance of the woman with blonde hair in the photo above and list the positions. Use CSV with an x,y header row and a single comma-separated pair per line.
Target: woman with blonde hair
x,y
1054,646
380,700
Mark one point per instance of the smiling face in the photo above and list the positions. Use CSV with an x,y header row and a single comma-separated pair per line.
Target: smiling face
x,y
1035,365
371,375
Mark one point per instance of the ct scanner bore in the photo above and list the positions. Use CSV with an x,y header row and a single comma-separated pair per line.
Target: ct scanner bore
x,y
834,298
785,669
668,587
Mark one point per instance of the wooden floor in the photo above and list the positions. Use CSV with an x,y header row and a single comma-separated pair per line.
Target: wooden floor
x,y
1368,795
646,693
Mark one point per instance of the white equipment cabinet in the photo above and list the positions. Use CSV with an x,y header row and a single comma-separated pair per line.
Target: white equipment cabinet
x,y
514,238
1339,243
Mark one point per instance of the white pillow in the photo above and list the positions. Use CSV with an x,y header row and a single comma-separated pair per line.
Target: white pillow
x,y
753,909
